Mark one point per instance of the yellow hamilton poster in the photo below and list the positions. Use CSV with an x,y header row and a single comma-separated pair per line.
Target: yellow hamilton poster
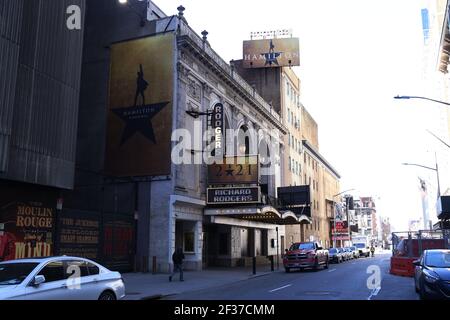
x,y
140,107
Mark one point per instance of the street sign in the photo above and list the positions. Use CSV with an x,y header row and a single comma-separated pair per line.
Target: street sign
x,y
245,195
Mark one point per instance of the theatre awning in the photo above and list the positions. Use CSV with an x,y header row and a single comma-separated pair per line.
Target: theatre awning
x,y
267,214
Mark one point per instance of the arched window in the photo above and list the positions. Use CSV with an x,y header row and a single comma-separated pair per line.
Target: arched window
x,y
244,141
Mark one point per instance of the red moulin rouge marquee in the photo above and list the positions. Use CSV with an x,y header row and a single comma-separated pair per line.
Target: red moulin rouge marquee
x,y
26,230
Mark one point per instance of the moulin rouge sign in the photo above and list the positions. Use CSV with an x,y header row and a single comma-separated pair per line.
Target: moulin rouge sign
x,y
27,231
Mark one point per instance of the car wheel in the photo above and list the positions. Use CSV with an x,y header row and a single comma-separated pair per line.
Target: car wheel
x,y
316,265
287,270
107,295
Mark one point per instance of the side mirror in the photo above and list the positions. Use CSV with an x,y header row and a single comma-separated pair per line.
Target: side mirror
x,y
37,281
416,263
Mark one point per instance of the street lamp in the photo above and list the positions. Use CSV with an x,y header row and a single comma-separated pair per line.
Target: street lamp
x,y
423,98
334,215
429,168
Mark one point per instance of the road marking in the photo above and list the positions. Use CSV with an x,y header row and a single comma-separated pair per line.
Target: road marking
x,y
331,270
287,286
374,293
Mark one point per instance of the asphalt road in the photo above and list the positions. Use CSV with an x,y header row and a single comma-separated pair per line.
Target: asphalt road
x,y
359,279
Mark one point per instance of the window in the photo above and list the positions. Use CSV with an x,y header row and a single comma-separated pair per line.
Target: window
x,y
13,274
188,242
53,271
93,269
75,266
289,115
290,164
304,156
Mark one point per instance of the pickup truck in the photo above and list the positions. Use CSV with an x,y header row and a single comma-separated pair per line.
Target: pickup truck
x,y
305,255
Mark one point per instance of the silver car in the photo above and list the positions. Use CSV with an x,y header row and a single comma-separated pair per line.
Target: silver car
x,y
59,278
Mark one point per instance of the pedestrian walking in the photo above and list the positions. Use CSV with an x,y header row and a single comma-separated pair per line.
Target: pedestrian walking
x,y
372,250
177,258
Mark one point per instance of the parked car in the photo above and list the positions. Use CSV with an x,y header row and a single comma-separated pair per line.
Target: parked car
x,y
59,278
334,255
363,249
349,253
355,252
343,254
305,255
432,274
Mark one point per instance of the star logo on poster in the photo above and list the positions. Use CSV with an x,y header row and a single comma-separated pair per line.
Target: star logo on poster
x,y
272,56
138,119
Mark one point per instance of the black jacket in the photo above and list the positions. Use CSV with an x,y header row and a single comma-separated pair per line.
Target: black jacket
x,y
178,257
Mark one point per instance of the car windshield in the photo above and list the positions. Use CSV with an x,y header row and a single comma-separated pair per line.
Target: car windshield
x,y
15,273
360,245
302,246
333,250
438,259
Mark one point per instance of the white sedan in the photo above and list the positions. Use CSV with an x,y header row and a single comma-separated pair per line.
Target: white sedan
x,y
59,278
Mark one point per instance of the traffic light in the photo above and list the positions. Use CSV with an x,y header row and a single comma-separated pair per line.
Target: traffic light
x,y
349,203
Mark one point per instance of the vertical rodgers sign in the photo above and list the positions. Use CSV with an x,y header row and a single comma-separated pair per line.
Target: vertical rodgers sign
x,y
217,126
140,107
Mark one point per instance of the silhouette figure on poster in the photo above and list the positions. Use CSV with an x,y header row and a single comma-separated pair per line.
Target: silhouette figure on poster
x,y
141,86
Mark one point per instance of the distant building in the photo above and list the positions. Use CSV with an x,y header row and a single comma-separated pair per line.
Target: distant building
x,y
366,217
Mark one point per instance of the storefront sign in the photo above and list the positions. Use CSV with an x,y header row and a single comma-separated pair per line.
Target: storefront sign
x,y
342,231
235,170
26,230
79,234
234,195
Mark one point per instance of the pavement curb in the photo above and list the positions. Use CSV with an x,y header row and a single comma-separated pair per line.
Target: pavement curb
x,y
260,275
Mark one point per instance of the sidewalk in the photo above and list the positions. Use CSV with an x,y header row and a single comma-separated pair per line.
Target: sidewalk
x,y
140,286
